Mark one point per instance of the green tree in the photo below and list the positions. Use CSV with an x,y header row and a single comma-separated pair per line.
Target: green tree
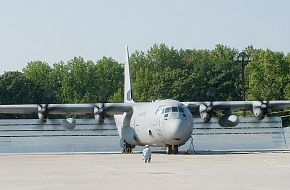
x,y
161,72
110,78
286,78
40,73
18,89
86,82
185,74
268,76
75,80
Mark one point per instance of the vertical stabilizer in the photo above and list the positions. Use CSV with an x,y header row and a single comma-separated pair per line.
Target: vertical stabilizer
x,y
128,93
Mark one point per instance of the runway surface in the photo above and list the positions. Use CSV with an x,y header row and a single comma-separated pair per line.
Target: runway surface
x,y
255,170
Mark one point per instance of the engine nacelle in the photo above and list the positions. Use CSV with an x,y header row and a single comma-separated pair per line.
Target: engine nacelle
x,y
205,112
69,124
228,121
260,109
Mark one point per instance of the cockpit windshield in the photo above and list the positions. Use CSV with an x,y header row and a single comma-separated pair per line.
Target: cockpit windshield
x,y
164,109
180,109
167,110
174,109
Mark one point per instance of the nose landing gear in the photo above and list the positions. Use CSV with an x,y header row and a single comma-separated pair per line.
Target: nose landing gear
x,y
172,149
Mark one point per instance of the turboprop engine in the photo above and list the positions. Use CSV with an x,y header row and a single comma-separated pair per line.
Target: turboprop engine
x,y
260,109
43,112
69,124
100,114
205,112
228,120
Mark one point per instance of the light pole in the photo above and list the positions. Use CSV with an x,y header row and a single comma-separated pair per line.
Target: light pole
x,y
243,58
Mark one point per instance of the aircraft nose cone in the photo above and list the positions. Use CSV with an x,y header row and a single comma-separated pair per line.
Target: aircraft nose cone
x,y
176,128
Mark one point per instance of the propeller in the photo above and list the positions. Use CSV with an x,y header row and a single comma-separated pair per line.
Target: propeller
x,y
43,112
206,111
100,113
260,109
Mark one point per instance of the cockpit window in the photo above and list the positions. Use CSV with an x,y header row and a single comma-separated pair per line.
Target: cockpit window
x,y
180,109
163,109
174,109
160,110
167,110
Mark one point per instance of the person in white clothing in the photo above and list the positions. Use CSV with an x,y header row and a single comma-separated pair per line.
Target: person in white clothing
x,y
147,154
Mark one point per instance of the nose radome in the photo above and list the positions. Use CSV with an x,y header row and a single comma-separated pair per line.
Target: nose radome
x,y
176,128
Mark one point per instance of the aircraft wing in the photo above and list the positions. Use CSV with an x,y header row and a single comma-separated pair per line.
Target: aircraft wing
x,y
238,105
259,108
220,105
78,109
21,109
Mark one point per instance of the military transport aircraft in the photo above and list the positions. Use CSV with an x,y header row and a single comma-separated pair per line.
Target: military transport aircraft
x,y
164,123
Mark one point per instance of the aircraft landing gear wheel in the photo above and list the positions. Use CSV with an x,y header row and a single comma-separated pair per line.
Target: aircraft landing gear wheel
x,y
169,149
128,149
175,149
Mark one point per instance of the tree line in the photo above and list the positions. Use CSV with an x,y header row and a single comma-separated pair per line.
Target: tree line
x,y
161,72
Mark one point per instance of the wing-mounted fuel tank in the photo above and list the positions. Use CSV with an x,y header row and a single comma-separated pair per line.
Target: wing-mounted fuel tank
x,y
69,124
228,120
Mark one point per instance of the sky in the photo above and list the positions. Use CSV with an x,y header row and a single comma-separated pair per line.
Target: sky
x,y
58,30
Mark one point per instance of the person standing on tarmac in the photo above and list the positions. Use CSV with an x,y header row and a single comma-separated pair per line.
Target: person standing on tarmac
x,y
147,154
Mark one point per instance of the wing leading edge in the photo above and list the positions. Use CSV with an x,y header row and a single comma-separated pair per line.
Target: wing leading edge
x,y
77,109
119,108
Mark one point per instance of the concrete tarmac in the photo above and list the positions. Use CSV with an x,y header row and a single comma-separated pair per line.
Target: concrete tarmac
x,y
254,170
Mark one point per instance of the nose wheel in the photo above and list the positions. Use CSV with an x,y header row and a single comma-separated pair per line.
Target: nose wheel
x,y
172,149
175,149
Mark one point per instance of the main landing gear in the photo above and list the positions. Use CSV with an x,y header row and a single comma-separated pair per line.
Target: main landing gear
x,y
172,149
128,149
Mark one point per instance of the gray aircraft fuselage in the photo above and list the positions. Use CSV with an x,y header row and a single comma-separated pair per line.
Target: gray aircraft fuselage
x,y
159,123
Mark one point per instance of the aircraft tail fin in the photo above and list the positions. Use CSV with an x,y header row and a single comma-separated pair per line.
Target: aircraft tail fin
x,y
128,92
